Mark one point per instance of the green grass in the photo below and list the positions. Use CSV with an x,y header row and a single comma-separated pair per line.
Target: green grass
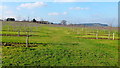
x,y
61,46
61,55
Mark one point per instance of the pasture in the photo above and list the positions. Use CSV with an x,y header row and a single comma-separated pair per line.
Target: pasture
x,y
58,45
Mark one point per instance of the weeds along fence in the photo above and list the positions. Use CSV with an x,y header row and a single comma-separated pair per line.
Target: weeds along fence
x,y
96,33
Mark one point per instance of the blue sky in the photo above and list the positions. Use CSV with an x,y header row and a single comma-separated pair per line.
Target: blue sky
x,y
60,0
73,12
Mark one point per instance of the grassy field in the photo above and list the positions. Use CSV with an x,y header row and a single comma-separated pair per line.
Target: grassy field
x,y
57,45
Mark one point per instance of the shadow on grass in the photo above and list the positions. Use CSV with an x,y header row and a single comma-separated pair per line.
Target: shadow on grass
x,y
34,44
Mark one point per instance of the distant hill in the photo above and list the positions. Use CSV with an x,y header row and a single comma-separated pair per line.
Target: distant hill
x,y
92,24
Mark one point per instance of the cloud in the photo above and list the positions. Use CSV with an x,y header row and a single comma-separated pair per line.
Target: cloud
x,y
2,7
64,13
71,0
64,0
61,0
56,13
6,12
32,5
9,12
78,8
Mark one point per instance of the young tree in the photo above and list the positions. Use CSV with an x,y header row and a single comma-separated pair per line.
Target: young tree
x,y
18,27
110,27
28,29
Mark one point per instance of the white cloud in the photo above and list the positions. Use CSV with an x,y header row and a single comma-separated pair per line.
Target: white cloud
x,y
78,8
64,0
18,8
64,13
9,12
2,7
56,13
12,16
5,12
31,5
71,0
61,0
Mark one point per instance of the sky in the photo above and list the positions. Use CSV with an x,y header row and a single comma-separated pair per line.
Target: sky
x,y
72,11
60,0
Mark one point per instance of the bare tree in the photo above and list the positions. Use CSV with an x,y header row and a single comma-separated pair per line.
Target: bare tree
x,y
28,29
28,18
63,22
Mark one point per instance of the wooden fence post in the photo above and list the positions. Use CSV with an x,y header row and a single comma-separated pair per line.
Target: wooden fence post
x,y
82,29
27,40
8,28
109,35
113,36
18,32
86,32
97,35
